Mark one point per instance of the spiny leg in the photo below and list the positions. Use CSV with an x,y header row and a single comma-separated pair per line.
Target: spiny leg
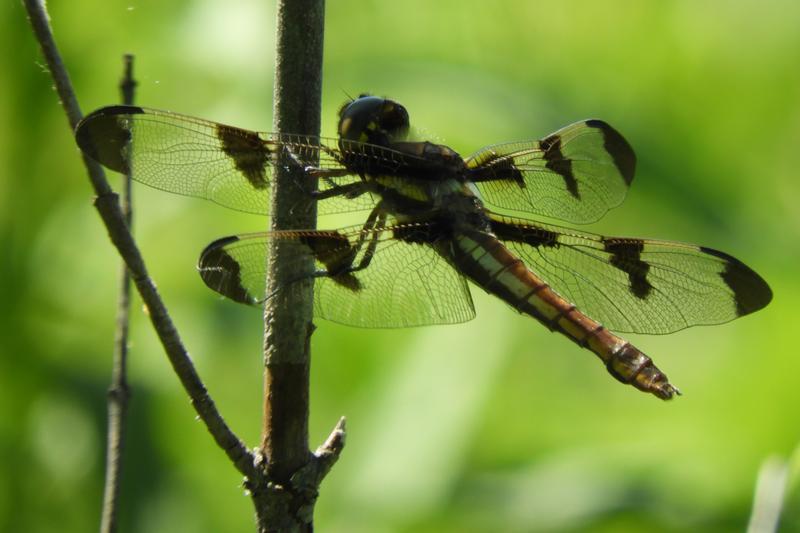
x,y
334,251
350,190
378,222
344,264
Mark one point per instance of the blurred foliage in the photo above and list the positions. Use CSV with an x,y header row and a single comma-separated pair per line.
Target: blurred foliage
x,y
492,425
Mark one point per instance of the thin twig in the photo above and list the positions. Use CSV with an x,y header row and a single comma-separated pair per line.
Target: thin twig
x,y
107,205
119,391
325,457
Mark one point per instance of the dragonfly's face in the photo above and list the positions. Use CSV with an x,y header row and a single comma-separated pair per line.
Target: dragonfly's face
x,y
373,120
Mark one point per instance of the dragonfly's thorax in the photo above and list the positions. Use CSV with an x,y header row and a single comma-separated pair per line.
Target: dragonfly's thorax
x,y
411,178
464,211
438,157
449,205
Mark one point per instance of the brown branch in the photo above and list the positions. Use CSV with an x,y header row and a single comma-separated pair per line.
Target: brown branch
x,y
288,324
119,392
107,205
286,500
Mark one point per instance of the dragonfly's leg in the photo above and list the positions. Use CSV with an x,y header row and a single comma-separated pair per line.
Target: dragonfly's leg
x,y
326,173
293,159
294,163
343,258
369,225
375,223
346,258
315,172
351,190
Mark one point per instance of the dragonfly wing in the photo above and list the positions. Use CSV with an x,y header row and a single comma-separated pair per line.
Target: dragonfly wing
x,y
230,166
406,283
636,285
575,174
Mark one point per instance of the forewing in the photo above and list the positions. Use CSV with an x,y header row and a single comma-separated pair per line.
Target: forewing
x,y
230,166
636,285
575,174
406,283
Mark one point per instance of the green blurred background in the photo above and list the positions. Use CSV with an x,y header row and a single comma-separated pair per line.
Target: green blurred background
x,y
492,425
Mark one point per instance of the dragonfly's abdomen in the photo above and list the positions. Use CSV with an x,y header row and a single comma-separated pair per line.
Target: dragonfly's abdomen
x,y
484,259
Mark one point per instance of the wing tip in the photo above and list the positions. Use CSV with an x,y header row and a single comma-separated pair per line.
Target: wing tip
x,y
221,273
750,290
620,149
103,137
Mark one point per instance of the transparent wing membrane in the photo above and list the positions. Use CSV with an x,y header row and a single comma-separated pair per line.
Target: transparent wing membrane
x,y
405,283
230,166
636,285
575,174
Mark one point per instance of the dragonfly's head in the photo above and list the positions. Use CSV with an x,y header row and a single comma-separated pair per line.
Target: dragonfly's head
x,y
374,120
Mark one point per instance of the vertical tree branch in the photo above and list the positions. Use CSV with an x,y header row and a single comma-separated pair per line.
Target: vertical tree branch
x,y
287,316
119,392
297,102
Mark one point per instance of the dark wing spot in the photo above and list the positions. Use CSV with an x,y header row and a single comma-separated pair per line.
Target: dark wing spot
x,y
750,291
496,167
558,164
222,273
334,250
616,145
105,136
626,256
249,153
529,235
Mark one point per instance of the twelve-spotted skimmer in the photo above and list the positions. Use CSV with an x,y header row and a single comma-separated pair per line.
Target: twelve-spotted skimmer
x,y
429,230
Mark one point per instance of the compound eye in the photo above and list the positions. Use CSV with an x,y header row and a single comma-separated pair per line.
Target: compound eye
x,y
358,119
373,120
394,119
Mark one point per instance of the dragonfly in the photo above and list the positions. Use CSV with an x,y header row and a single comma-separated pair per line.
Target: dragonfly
x,y
437,221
